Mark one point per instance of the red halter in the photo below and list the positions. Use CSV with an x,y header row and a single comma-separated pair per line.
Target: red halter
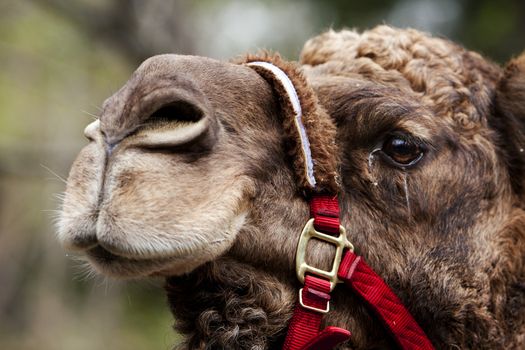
x,y
314,298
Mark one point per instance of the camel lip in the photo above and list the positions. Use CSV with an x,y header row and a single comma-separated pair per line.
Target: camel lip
x,y
111,264
102,255
107,256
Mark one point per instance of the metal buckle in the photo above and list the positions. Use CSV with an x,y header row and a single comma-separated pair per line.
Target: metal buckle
x,y
341,242
321,311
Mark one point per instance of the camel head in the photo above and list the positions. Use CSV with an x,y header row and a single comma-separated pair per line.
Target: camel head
x,y
192,173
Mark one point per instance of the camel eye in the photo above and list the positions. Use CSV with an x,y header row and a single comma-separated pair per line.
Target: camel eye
x,y
402,151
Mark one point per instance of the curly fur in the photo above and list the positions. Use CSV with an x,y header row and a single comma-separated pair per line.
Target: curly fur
x,y
458,84
243,308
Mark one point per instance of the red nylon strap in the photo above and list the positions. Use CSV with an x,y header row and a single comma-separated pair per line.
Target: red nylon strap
x,y
305,323
325,211
379,297
328,339
303,331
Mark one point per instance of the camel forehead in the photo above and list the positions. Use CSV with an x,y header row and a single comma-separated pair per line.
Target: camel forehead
x,y
393,49
452,81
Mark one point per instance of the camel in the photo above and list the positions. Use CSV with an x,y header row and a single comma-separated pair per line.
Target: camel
x,y
196,172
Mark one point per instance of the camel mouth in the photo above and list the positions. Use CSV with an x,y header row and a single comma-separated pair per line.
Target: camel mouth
x,y
116,265
102,255
114,250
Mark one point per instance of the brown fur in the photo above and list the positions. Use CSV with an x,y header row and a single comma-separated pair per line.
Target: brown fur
x,y
320,129
219,214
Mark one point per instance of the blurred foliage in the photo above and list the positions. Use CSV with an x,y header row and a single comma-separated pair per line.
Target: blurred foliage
x,y
51,72
61,58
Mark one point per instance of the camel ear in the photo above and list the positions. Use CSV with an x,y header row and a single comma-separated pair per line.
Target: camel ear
x,y
510,119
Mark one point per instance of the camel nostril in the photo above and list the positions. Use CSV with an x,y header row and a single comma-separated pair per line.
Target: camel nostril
x,y
181,110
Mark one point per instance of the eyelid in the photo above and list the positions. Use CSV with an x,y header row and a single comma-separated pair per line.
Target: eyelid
x,y
410,137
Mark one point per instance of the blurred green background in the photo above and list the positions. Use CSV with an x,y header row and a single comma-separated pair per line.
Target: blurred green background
x,y
59,59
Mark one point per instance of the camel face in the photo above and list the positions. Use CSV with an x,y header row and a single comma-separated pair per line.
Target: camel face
x,y
162,185
189,173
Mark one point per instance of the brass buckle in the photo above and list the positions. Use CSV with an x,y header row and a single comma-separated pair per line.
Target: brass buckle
x,y
341,242
321,311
